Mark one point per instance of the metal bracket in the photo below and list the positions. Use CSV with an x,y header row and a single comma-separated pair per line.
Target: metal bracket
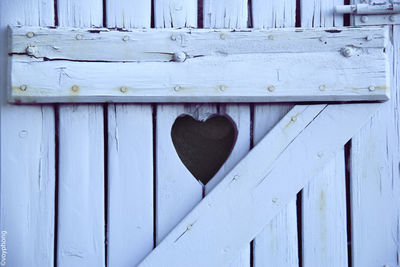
x,y
376,13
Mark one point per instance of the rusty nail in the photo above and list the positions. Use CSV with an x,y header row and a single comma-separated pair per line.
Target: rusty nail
x,y
123,89
30,34
271,88
126,38
371,88
322,87
78,37
364,19
75,88
23,87
179,56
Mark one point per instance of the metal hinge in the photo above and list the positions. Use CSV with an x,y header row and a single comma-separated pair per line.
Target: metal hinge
x,y
375,13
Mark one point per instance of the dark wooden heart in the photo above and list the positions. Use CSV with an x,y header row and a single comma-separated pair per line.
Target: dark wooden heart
x,y
203,147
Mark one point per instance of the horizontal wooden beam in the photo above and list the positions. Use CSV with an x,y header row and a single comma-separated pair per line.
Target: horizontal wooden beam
x,y
197,65
240,206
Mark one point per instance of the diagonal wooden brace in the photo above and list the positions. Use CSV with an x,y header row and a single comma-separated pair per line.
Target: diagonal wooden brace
x,y
228,218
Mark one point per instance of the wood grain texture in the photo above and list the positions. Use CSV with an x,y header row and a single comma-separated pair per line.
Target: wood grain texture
x,y
175,13
270,75
81,235
375,190
324,233
177,190
159,45
230,15
251,187
27,156
277,244
130,184
130,160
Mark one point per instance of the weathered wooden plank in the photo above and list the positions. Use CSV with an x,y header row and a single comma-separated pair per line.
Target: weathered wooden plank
x,y
225,14
177,191
130,160
175,13
130,184
231,14
27,158
277,244
81,163
375,190
324,237
268,78
159,45
297,141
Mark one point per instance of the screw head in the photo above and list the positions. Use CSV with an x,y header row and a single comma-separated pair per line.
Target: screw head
x,y
78,37
347,52
123,89
371,88
126,38
75,88
222,88
179,56
271,88
31,50
364,19
30,34
23,87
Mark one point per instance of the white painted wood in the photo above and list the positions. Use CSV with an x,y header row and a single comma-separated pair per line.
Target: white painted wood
x,y
320,13
130,160
159,45
81,231
128,14
130,184
175,13
27,157
324,233
273,14
269,77
177,190
231,14
298,141
277,244
375,190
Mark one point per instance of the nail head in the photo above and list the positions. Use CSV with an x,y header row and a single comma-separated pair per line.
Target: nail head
x,y
271,88
371,88
23,87
364,19
179,56
75,88
126,38
30,34
123,89
78,37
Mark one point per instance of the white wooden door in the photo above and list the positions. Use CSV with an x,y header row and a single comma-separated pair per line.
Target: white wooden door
x,y
102,184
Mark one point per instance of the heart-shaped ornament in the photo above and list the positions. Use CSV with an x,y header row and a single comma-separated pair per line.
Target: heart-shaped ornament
x,y
204,146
